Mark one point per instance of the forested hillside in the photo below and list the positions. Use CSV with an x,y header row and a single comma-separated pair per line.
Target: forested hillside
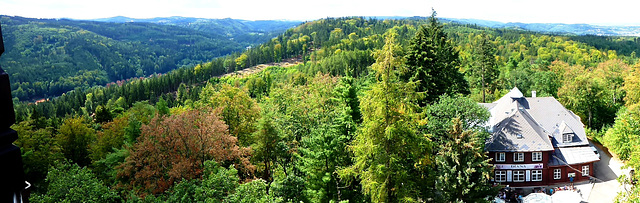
x,y
245,32
376,113
47,57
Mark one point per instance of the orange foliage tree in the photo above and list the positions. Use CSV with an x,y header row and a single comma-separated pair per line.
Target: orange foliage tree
x,y
174,148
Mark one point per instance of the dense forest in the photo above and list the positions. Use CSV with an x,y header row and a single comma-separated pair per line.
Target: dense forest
x,y
377,112
48,57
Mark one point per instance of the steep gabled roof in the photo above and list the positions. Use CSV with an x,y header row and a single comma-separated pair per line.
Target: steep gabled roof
x,y
519,132
555,118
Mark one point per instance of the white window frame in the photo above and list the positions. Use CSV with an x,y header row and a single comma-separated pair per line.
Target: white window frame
x,y
536,175
518,157
567,137
536,156
585,170
518,176
557,173
500,155
503,176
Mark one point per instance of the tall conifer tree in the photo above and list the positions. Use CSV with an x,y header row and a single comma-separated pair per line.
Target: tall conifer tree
x,y
432,61
387,144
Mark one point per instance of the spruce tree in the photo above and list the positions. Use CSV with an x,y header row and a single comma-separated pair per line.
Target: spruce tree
x,y
432,61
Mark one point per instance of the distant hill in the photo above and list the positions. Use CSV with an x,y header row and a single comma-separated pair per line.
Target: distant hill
x,y
47,57
558,28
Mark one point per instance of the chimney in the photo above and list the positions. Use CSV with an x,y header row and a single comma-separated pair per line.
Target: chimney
x,y
533,93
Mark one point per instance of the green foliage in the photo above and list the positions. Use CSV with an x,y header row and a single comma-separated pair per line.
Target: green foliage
x,y
483,70
624,136
71,183
39,151
463,169
163,108
103,114
433,63
440,114
289,188
47,57
254,191
238,110
596,94
216,184
326,131
74,136
111,137
267,147
387,144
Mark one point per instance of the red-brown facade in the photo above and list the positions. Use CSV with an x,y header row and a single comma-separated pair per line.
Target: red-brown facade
x,y
549,176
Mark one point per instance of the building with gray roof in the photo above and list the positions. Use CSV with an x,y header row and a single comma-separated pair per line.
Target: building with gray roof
x,y
536,141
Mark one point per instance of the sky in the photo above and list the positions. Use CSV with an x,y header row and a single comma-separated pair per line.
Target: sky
x,y
609,12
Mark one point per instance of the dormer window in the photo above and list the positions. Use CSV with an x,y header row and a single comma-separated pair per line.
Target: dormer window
x,y
567,137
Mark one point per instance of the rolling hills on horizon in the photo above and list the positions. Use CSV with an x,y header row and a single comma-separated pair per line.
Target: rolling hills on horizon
x,y
271,25
559,28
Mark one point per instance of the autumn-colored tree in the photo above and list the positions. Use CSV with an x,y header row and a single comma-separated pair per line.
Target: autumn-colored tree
x,y
176,147
239,111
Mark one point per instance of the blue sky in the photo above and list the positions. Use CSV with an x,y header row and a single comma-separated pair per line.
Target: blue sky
x,y
616,12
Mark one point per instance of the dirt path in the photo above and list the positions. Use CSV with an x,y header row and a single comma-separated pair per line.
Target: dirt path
x,y
258,68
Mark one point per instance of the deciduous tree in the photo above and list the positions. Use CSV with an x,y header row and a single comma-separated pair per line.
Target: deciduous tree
x,y
483,70
239,111
176,147
71,183
74,136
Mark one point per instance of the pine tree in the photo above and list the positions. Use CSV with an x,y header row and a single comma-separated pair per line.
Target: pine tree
x,y
433,62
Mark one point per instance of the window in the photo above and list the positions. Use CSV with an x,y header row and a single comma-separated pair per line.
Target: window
x,y
557,173
585,170
518,176
500,157
536,175
518,157
567,137
501,176
536,156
